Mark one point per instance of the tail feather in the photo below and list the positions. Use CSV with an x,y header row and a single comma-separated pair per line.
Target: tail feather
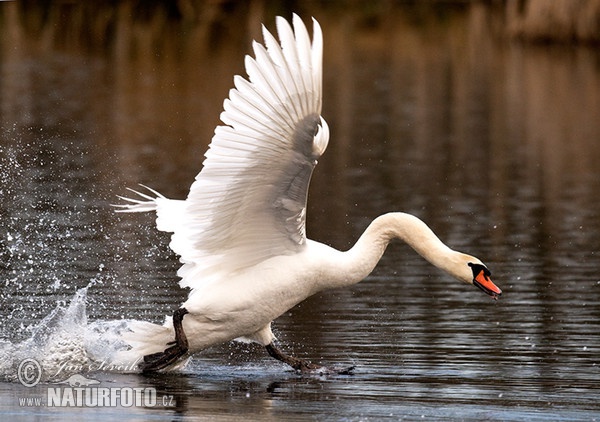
x,y
145,338
138,205
169,212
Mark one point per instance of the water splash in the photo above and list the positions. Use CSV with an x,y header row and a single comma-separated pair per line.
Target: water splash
x,y
65,343
59,234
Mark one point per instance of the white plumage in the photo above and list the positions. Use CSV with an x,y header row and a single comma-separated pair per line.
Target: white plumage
x,y
241,231
248,202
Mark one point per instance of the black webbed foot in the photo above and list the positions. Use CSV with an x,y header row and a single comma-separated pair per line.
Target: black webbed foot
x,y
161,360
304,366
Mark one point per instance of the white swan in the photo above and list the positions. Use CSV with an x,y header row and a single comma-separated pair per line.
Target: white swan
x,y
241,231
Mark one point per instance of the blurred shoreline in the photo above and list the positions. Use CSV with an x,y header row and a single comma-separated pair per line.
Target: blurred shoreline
x,y
94,24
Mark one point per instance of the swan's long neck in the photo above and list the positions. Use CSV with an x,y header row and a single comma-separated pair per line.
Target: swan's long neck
x,y
362,258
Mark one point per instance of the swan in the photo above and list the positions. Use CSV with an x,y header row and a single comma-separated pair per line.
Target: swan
x,y
240,233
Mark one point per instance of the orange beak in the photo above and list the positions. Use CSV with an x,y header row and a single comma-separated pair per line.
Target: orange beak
x,y
483,281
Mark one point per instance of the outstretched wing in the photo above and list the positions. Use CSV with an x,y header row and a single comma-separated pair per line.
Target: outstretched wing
x,y
249,201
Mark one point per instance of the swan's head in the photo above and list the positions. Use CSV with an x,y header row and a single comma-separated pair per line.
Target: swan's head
x,y
479,276
473,271
481,279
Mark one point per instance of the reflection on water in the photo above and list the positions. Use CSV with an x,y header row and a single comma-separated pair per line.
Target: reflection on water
x,y
494,144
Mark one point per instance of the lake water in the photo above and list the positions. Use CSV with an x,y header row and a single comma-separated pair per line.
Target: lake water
x,y
496,145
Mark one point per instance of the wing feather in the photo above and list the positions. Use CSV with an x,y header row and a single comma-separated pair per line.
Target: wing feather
x,y
317,54
304,58
292,61
248,203
279,61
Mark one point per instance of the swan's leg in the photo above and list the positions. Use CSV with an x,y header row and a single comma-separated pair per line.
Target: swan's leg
x,y
161,360
294,362
302,365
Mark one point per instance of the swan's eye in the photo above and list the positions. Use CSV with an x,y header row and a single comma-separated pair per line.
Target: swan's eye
x,y
478,268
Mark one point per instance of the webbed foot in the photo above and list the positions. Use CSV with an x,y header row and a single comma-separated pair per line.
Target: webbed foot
x,y
161,360
304,366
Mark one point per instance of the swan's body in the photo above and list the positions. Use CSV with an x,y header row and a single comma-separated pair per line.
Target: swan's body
x,y
241,231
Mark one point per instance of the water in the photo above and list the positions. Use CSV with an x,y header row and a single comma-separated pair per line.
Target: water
x,y
492,143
